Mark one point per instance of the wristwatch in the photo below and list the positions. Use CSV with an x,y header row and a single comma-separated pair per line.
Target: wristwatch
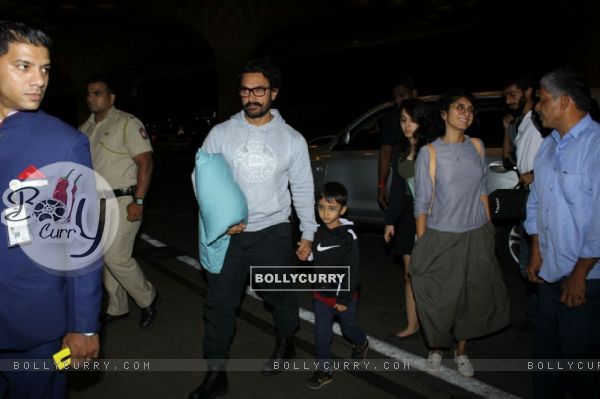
x,y
88,334
139,200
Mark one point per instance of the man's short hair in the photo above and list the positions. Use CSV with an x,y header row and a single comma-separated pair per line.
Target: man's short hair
x,y
334,191
18,32
522,82
405,81
103,78
264,66
568,82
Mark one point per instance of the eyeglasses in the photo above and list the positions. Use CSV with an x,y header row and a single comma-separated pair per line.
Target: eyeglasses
x,y
462,109
256,91
323,208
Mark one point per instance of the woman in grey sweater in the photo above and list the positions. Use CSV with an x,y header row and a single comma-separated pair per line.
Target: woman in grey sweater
x,y
458,287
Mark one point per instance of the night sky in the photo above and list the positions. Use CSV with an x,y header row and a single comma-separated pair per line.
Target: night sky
x,y
336,63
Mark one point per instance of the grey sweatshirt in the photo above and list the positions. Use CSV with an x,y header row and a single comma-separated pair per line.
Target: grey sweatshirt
x,y
265,160
460,179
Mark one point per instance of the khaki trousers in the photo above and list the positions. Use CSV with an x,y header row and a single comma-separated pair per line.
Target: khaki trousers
x,y
122,274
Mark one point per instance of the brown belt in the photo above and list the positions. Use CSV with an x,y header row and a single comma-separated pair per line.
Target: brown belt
x,y
121,192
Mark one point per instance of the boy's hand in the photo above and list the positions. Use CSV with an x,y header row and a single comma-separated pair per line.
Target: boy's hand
x,y
340,307
304,249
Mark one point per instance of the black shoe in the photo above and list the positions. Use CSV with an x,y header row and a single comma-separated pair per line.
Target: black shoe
x,y
109,318
284,349
318,379
359,351
215,384
149,313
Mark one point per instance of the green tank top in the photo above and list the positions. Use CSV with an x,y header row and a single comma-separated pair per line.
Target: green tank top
x,y
406,169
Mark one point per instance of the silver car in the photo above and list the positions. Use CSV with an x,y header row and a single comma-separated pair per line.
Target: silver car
x,y
351,158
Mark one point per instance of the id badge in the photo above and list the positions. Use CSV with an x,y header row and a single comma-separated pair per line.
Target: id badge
x,y
18,231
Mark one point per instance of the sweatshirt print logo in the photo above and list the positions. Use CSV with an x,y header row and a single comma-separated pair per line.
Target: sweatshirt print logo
x,y
322,249
256,161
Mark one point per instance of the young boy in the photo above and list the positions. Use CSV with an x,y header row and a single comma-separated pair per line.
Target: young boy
x,y
335,244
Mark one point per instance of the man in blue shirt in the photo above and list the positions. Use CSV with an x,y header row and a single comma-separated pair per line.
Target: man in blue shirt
x,y
563,217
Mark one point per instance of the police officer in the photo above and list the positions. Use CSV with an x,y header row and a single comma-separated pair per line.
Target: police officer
x,y
122,154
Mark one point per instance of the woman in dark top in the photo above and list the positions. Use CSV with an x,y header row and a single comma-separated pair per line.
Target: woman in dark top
x,y
416,124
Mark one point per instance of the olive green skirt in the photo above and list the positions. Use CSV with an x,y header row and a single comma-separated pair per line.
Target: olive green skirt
x,y
458,286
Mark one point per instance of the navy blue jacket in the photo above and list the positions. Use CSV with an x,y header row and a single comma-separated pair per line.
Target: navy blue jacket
x,y
338,247
37,306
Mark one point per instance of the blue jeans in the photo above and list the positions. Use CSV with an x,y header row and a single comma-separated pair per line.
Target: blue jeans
x,y
324,316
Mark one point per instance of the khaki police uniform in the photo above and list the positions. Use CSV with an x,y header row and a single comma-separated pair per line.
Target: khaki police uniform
x,y
114,142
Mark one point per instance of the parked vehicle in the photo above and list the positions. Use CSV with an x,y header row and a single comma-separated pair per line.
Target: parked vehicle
x,y
319,142
351,158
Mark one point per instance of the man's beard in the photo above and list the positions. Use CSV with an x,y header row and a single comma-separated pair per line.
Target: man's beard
x,y
262,111
520,107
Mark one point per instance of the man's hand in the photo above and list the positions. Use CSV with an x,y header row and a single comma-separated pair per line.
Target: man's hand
x,y
304,249
388,232
236,229
82,347
534,266
573,290
382,198
526,179
134,212
340,308
507,120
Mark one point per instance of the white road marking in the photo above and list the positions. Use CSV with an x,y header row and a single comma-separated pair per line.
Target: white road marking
x,y
152,241
415,361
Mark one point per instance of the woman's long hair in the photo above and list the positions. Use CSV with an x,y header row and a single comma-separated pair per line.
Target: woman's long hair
x,y
429,121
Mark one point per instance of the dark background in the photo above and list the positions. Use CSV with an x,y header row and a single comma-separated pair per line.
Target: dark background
x,y
178,60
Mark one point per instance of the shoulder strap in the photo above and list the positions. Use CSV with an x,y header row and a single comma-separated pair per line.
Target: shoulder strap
x,y
431,149
477,144
482,198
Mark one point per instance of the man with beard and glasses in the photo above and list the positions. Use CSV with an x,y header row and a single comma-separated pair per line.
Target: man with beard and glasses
x,y
270,162
522,133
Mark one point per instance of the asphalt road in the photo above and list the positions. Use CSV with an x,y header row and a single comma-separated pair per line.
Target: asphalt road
x,y
169,352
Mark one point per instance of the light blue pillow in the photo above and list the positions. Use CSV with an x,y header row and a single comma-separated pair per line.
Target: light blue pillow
x,y
222,205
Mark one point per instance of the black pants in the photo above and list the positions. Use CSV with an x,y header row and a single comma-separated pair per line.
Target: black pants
x,y
268,247
567,333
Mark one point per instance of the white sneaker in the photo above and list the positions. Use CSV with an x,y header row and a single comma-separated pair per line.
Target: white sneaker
x,y
434,361
465,367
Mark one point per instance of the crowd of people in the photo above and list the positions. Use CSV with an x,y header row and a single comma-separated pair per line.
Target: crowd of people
x,y
437,216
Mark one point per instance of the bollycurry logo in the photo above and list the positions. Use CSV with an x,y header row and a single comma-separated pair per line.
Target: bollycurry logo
x,y
62,216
